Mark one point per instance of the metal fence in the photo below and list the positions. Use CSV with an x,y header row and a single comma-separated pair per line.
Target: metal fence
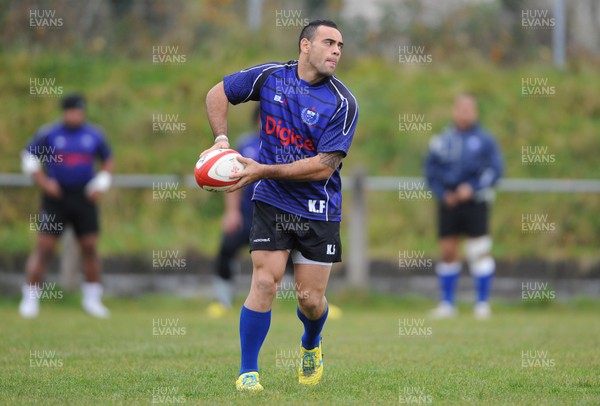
x,y
379,183
358,184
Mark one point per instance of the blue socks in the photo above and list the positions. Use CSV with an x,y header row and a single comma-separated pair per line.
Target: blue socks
x,y
448,284
312,329
448,273
254,327
483,285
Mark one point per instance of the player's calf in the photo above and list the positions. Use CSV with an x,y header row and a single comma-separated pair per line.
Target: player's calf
x,y
482,267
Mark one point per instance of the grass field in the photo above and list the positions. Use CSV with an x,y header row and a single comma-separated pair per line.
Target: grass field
x,y
540,354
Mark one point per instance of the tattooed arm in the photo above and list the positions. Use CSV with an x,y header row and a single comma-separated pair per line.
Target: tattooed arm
x,y
315,168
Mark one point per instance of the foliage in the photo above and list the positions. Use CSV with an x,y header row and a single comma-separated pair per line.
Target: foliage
x,y
124,94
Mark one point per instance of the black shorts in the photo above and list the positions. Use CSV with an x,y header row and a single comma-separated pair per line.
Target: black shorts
x,y
470,219
274,229
74,208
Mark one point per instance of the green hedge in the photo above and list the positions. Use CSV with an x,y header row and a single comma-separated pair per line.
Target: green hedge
x,y
124,94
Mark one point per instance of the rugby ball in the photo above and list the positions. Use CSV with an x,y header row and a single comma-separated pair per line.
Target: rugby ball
x,y
212,171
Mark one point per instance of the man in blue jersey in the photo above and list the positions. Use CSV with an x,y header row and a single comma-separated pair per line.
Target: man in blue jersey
x,y
308,119
462,166
61,160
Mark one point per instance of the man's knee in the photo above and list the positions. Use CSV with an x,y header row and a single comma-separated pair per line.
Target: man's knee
x,y
268,269
311,304
449,250
449,256
478,253
88,247
265,284
45,247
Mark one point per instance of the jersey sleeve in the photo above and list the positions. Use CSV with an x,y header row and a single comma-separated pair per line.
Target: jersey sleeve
x,y
245,85
38,144
103,150
494,169
433,168
339,132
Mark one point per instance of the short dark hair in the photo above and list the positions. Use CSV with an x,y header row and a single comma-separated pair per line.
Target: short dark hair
x,y
73,101
309,30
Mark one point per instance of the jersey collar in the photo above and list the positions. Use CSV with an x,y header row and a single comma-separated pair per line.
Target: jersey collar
x,y
319,83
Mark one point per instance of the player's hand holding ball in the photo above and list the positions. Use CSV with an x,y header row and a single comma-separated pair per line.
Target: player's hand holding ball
x,y
221,169
215,165
215,169
253,172
220,144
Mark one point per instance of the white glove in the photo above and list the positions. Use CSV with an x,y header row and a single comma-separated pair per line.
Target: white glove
x,y
99,183
30,163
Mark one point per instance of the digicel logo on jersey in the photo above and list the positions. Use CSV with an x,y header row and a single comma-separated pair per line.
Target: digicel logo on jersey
x,y
287,136
73,158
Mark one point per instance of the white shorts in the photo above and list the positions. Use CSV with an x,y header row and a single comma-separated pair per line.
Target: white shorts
x,y
298,258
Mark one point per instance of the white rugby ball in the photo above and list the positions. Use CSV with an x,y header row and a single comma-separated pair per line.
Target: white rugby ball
x,y
213,170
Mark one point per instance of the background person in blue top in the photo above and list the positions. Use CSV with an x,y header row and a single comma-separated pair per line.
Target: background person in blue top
x,y
462,166
308,119
237,221
61,159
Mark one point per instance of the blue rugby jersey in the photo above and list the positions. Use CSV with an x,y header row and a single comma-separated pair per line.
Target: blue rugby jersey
x,y
298,121
456,156
68,154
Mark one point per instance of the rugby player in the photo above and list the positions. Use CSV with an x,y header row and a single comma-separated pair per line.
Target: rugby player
x,y
462,166
61,159
308,120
